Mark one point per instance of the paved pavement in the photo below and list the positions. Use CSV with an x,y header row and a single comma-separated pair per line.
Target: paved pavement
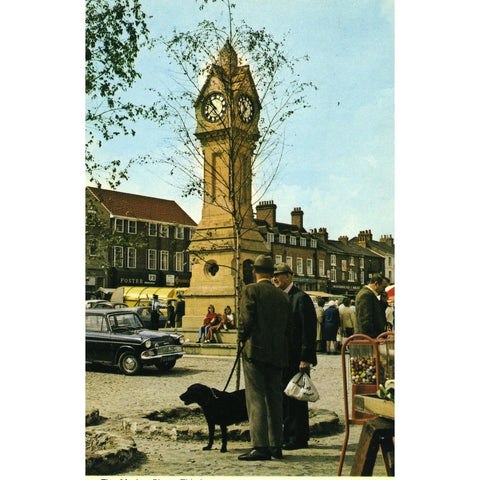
x,y
126,402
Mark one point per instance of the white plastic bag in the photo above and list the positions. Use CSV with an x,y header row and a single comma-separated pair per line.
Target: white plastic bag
x,y
302,388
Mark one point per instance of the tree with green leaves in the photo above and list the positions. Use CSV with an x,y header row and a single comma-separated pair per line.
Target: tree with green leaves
x,y
116,31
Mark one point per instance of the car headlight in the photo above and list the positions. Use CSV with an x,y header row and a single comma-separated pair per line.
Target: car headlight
x,y
181,340
148,344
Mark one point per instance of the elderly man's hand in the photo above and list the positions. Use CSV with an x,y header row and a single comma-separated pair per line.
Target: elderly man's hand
x,y
304,367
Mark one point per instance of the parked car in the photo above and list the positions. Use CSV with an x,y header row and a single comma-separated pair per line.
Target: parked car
x,y
104,304
117,337
145,315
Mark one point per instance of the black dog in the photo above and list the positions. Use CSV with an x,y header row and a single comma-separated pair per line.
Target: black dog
x,y
220,408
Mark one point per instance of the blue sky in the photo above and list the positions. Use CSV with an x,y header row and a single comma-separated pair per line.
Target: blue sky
x,y
339,164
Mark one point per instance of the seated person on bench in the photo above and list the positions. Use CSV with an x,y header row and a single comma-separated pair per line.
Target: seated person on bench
x,y
226,322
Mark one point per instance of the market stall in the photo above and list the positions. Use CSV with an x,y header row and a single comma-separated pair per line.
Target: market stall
x,y
367,365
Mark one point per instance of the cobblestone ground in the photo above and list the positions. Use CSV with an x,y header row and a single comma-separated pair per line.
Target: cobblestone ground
x,y
120,398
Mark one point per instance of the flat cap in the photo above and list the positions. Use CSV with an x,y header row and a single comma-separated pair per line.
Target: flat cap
x,y
282,268
263,264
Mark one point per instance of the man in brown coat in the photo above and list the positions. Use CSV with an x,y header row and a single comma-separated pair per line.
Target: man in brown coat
x,y
264,328
369,311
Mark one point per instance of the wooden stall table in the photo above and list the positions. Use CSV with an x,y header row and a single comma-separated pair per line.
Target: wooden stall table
x,y
376,433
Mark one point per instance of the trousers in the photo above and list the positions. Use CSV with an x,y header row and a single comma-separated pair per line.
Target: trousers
x,y
264,396
295,414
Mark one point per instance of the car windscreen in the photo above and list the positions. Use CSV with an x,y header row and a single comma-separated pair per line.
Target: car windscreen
x,y
127,320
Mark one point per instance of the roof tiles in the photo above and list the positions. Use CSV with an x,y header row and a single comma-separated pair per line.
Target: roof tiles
x,y
130,205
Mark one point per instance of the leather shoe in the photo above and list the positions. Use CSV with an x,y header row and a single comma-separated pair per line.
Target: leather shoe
x,y
294,446
256,454
276,453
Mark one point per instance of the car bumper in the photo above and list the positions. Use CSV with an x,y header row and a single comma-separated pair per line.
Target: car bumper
x,y
174,351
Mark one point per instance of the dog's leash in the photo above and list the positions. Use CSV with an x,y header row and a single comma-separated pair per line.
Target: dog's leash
x,y
234,365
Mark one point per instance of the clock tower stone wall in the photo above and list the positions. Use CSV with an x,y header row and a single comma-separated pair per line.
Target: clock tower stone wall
x,y
227,112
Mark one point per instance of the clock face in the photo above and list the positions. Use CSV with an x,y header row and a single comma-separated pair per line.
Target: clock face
x,y
214,107
245,108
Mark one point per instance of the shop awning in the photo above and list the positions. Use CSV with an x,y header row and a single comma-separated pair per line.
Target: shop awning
x,y
132,295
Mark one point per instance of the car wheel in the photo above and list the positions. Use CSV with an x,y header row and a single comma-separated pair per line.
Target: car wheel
x,y
164,366
129,364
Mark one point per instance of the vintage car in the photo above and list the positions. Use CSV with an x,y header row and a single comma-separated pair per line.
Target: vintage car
x,y
117,337
104,304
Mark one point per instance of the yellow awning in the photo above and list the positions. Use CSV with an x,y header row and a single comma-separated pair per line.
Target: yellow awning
x,y
132,295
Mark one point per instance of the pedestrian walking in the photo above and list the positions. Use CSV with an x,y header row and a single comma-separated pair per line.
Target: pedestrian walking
x,y
264,328
302,356
347,318
155,315
320,316
170,314
179,311
331,324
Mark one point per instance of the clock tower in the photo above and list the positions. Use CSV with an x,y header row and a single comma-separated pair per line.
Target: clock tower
x,y
226,240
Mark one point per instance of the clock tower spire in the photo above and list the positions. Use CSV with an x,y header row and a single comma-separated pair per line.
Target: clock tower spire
x,y
226,240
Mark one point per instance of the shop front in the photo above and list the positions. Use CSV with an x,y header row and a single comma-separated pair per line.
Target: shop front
x,y
136,278
346,289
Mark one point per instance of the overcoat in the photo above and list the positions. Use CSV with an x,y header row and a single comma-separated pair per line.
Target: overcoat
x,y
369,313
265,323
304,335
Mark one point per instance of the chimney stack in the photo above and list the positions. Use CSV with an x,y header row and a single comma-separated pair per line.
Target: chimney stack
x,y
322,234
343,239
388,239
267,211
297,217
363,237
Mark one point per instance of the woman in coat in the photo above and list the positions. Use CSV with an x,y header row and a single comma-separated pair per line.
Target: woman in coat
x,y
331,323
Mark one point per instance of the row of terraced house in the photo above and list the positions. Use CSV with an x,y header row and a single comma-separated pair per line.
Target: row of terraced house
x,y
135,240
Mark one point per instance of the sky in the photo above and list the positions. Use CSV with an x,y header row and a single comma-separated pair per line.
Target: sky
x,y
339,162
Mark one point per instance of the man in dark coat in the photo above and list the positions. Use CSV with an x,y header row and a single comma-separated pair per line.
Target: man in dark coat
x,y
264,328
155,316
296,431
369,311
179,311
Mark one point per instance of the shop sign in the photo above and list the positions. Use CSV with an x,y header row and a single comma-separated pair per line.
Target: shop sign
x,y
170,280
131,281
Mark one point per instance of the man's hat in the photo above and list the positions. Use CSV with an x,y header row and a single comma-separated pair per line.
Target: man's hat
x,y
282,268
155,295
263,264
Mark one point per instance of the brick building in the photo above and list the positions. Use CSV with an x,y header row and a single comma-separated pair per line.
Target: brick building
x,y
384,247
334,266
139,240
135,240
